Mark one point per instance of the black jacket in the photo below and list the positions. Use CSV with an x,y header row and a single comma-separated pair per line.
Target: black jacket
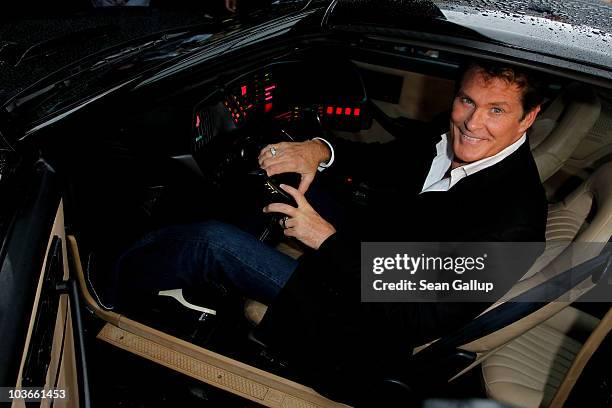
x,y
318,321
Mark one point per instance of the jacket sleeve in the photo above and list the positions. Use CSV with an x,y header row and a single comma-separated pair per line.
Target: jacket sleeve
x,y
373,161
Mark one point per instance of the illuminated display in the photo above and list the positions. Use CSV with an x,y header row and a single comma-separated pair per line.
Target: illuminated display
x,y
199,125
258,95
255,95
337,114
340,110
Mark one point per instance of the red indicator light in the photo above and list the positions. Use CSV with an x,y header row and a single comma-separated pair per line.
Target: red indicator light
x,y
243,90
268,98
197,120
338,111
330,110
357,111
271,87
268,107
347,111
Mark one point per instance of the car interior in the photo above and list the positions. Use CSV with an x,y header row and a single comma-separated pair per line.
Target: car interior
x,y
185,151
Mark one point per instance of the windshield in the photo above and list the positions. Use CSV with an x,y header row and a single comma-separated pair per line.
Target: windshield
x,y
34,42
578,13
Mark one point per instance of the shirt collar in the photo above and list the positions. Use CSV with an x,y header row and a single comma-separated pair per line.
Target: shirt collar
x,y
474,167
445,156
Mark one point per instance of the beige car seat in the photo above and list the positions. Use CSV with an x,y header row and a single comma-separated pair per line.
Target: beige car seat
x,y
560,128
525,363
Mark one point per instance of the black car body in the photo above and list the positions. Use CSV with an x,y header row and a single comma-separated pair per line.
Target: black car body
x,y
155,131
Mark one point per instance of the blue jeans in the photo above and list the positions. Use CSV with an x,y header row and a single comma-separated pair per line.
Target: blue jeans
x,y
208,253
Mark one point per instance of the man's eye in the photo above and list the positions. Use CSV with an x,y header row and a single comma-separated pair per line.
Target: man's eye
x,y
467,101
497,111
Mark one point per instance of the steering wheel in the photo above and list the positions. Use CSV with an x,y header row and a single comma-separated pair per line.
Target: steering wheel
x,y
231,163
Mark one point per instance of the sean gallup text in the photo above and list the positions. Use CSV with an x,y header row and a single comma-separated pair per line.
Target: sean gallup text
x,y
472,285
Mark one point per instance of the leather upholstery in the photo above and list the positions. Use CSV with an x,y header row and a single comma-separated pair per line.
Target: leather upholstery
x,y
575,208
561,127
528,370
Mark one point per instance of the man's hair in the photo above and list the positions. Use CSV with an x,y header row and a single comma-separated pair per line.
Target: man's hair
x,y
530,83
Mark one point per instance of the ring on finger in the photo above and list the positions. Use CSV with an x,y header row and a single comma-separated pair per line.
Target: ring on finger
x,y
273,151
284,222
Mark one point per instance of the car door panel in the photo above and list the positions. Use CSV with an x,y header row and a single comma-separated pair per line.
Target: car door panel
x,y
37,349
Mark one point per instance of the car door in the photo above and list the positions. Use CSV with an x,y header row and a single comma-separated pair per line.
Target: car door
x,y
37,342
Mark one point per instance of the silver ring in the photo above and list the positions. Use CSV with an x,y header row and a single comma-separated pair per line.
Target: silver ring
x,y
284,222
273,151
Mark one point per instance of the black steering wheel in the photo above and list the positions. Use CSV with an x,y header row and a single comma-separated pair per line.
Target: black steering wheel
x,y
231,162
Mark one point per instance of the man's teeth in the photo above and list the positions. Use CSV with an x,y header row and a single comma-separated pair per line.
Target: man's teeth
x,y
471,139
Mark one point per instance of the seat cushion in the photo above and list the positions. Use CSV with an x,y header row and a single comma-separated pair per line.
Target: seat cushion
x,y
527,371
562,227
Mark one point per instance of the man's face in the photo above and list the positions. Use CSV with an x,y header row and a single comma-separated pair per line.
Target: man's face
x,y
486,117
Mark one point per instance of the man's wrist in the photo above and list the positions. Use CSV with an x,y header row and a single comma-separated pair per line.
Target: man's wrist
x,y
327,153
325,237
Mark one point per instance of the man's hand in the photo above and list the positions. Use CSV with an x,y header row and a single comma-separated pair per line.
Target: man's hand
x,y
295,157
303,222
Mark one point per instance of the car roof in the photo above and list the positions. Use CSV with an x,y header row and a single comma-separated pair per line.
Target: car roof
x,y
579,32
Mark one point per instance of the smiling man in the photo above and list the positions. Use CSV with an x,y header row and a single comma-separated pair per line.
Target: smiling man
x,y
491,112
488,115
476,183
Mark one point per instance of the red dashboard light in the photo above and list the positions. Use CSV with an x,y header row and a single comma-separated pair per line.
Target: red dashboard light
x,y
357,111
268,107
268,98
330,110
347,111
243,90
338,111
271,87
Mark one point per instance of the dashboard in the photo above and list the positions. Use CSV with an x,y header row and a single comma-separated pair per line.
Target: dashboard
x,y
283,101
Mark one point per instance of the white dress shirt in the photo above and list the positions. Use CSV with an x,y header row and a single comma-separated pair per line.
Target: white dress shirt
x,y
436,181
